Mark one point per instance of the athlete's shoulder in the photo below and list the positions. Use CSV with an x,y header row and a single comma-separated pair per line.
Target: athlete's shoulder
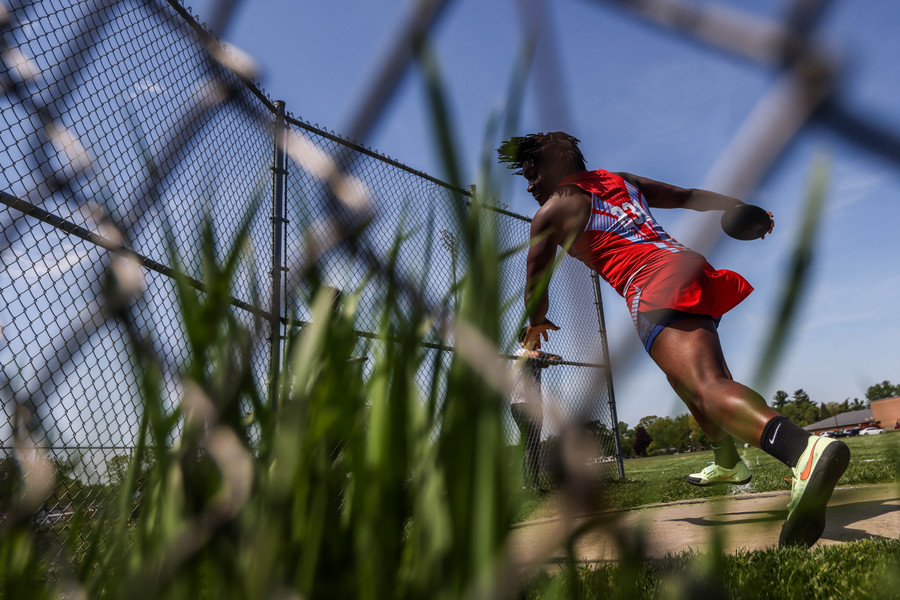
x,y
584,177
595,182
565,214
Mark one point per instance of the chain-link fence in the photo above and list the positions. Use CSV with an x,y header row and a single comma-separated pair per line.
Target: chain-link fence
x,y
125,127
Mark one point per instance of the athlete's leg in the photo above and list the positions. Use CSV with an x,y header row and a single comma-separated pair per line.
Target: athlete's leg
x,y
722,443
689,353
529,420
728,466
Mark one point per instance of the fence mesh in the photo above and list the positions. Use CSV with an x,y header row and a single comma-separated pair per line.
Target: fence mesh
x,y
122,130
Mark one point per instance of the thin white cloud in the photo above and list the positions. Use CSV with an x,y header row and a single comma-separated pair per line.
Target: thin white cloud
x,y
52,265
865,306
145,86
857,185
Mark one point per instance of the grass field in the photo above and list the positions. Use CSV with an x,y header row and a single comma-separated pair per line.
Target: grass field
x,y
875,459
864,569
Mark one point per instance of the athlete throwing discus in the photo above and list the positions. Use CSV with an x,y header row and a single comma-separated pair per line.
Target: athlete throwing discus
x,y
676,299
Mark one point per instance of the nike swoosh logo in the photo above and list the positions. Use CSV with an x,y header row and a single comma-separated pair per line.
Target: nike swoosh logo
x,y
729,477
805,474
777,427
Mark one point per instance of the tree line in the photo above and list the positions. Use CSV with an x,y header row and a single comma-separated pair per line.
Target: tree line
x,y
660,435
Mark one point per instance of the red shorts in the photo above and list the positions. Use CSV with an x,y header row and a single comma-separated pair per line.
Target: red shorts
x,y
685,282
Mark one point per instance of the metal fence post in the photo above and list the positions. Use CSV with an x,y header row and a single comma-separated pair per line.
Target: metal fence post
x,y
279,175
601,321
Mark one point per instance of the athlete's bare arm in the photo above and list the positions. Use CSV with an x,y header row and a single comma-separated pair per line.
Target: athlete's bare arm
x,y
665,195
541,252
557,223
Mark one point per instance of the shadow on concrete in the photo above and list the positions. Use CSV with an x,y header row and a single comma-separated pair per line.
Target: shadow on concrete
x,y
841,518
714,520
839,527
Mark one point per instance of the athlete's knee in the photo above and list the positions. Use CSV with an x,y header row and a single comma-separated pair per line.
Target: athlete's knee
x,y
707,393
681,388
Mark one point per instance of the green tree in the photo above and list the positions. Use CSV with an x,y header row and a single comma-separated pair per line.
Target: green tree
x,y
698,436
626,438
800,396
830,409
683,427
11,482
780,399
641,440
116,468
663,433
885,389
800,409
647,422
670,432
601,433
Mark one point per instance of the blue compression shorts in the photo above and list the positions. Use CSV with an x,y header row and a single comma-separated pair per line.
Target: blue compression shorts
x,y
650,323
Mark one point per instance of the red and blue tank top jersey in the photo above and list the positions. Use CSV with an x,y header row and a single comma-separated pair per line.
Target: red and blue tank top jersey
x,y
621,235
626,246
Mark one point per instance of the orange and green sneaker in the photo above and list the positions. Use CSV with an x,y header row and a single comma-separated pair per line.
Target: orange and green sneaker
x,y
815,475
714,474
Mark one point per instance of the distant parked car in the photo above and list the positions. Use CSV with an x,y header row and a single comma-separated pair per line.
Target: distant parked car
x,y
871,431
830,434
851,432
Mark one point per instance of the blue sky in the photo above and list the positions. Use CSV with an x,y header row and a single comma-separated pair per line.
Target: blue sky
x,y
649,102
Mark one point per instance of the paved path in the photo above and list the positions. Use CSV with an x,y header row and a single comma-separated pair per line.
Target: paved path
x,y
749,522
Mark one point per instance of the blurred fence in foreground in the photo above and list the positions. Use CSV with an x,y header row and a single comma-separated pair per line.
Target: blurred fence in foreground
x,y
124,126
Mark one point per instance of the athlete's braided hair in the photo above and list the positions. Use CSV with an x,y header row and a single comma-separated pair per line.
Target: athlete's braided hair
x,y
541,147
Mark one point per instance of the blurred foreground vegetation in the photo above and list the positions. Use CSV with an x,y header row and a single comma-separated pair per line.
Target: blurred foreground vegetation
x,y
865,569
328,484
349,478
345,486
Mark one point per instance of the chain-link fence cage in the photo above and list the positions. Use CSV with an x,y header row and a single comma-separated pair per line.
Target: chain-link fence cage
x,y
125,127
577,389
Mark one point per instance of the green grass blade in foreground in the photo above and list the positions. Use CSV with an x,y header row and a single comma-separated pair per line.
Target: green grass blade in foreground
x,y
865,569
440,114
470,444
506,119
796,278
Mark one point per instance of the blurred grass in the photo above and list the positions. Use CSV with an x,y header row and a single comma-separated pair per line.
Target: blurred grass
x,y
864,569
348,486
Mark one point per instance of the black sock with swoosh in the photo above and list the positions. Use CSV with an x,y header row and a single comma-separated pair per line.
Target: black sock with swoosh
x,y
784,440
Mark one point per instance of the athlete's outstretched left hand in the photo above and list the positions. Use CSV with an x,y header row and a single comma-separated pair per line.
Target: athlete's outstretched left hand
x,y
534,333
